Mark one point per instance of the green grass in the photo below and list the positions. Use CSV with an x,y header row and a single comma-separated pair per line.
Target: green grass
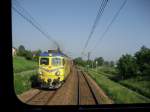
x,y
119,93
106,69
140,86
21,64
23,80
24,72
109,75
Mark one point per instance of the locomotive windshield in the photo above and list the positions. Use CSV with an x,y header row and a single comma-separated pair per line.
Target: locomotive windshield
x,y
56,61
44,61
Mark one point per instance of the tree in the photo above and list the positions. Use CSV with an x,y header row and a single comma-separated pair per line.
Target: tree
x,y
112,63
127,66
106,63
143,60
79,61
90,63
21,51
36,54
99,60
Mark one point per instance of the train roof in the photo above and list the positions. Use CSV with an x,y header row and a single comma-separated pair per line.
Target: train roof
x,y
53,54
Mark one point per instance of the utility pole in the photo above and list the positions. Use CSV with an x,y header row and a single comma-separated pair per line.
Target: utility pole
x,y
96,65
89,54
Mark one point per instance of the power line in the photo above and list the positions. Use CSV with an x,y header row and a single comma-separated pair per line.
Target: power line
x,y
32,22
108,27
24,10
99,15
100,11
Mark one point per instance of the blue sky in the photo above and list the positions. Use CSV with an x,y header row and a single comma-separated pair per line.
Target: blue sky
x,y
69,22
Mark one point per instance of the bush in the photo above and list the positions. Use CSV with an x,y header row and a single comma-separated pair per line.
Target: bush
x,y
28,55
23,81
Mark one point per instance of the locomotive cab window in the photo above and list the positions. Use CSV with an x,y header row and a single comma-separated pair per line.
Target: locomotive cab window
x,y
44,61
56,61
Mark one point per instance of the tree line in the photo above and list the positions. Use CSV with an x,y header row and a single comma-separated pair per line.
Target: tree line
x,y
99,61
127,66
136,65
28,54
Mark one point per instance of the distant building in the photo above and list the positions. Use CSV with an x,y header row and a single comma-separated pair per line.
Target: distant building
x,y
14,51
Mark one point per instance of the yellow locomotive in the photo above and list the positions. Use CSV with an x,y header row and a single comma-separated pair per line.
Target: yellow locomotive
x,y
54,67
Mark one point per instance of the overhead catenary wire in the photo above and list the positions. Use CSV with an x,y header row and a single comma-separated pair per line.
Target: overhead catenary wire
x,y
31,20
108,27
23,10
99,15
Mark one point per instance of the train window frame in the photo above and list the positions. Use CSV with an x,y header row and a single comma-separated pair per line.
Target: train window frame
x,y
8,84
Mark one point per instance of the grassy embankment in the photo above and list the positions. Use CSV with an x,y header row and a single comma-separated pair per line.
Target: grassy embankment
x,y
138,84
24,72
116,91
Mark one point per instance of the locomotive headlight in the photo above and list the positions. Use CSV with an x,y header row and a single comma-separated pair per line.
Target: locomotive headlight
x,y
40,72
57,73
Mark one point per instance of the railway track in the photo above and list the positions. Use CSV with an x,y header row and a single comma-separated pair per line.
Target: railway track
x,y
86,95
41,98
78,89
